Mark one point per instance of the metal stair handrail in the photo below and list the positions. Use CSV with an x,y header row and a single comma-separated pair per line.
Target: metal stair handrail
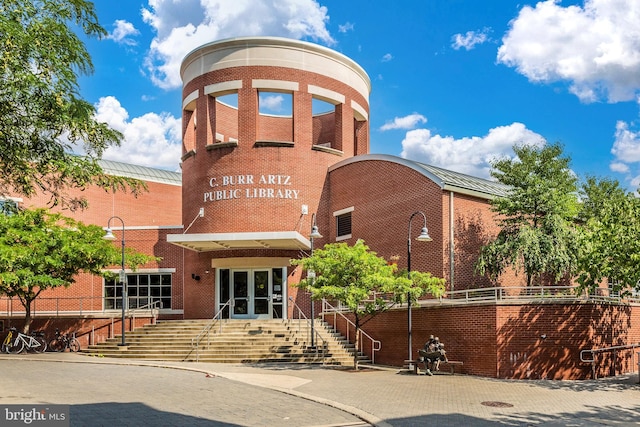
x,y
152,308
376,345
195,342
316,334
614,349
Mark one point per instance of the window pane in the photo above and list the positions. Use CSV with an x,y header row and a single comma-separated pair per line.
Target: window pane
x,y
143,280
261,283
225,293
154,280
240,285
261,306
277,311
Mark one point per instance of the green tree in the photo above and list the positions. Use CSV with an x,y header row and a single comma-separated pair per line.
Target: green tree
x,y
537,233
358,278
610,244
41,250
43,120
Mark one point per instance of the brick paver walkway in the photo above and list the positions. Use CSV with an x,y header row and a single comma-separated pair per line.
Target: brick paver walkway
x,y
122,392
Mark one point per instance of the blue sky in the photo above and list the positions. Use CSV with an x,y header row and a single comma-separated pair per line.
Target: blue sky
x,y
455,83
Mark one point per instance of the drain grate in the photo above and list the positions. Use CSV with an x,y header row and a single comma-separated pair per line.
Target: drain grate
x,y
497,404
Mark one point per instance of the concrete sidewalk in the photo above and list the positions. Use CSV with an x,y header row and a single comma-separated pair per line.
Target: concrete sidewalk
x,y
394,397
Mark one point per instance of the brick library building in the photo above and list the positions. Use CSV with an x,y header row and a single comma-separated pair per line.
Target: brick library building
x,y
252,187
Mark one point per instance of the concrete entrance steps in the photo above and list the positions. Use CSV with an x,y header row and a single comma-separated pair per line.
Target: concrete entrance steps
x,y
237,341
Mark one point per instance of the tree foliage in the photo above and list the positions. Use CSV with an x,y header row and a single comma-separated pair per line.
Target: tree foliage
x,y
40,250
537,233
358,278
43,120
610,244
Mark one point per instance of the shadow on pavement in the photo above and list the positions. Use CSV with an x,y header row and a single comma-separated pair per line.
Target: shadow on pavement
x,y
618,383
613,415
594,416
111,414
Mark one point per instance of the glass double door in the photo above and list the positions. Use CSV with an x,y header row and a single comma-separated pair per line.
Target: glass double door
x,y
252,291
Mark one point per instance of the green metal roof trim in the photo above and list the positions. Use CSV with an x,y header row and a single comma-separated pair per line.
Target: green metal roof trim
x,y
447,180
142,173
453,180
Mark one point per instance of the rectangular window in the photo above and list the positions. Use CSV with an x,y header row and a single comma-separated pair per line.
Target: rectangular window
x,y
343,224
142,289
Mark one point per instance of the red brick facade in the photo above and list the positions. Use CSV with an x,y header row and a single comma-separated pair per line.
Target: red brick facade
x,y
259,180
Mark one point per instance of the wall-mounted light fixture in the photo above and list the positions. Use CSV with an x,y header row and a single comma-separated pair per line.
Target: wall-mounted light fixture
x,y
195,276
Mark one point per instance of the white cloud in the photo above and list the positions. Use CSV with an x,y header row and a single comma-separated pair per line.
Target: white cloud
x,y
470,39
272,103
626,147
183,26
596,48
619,167
406,122
626,150
122,32
387,57
346,27
469,155
152,140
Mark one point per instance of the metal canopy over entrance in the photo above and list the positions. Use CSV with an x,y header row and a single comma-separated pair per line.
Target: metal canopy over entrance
x,y
204,242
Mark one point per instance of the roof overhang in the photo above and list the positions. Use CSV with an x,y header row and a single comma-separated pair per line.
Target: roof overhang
x,y
205,242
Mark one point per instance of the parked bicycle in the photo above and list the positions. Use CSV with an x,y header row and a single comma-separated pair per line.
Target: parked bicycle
x,y
16,342
63,341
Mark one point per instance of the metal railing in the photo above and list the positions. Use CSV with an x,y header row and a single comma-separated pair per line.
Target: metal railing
x,y
206,331
152,308
59,306
614,350
529,294
328,309
305,322
490,295
522,294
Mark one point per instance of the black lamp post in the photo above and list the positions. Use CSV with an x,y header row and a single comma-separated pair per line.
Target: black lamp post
x,y
312,275
109,236
423,237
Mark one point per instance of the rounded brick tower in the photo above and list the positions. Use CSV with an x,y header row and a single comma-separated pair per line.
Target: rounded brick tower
x,y
252,178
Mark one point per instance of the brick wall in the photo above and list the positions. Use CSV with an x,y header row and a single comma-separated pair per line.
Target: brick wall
x,y
528,341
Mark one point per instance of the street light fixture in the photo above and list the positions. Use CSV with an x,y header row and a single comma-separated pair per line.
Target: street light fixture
x,y
315,234
423,237
122,277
